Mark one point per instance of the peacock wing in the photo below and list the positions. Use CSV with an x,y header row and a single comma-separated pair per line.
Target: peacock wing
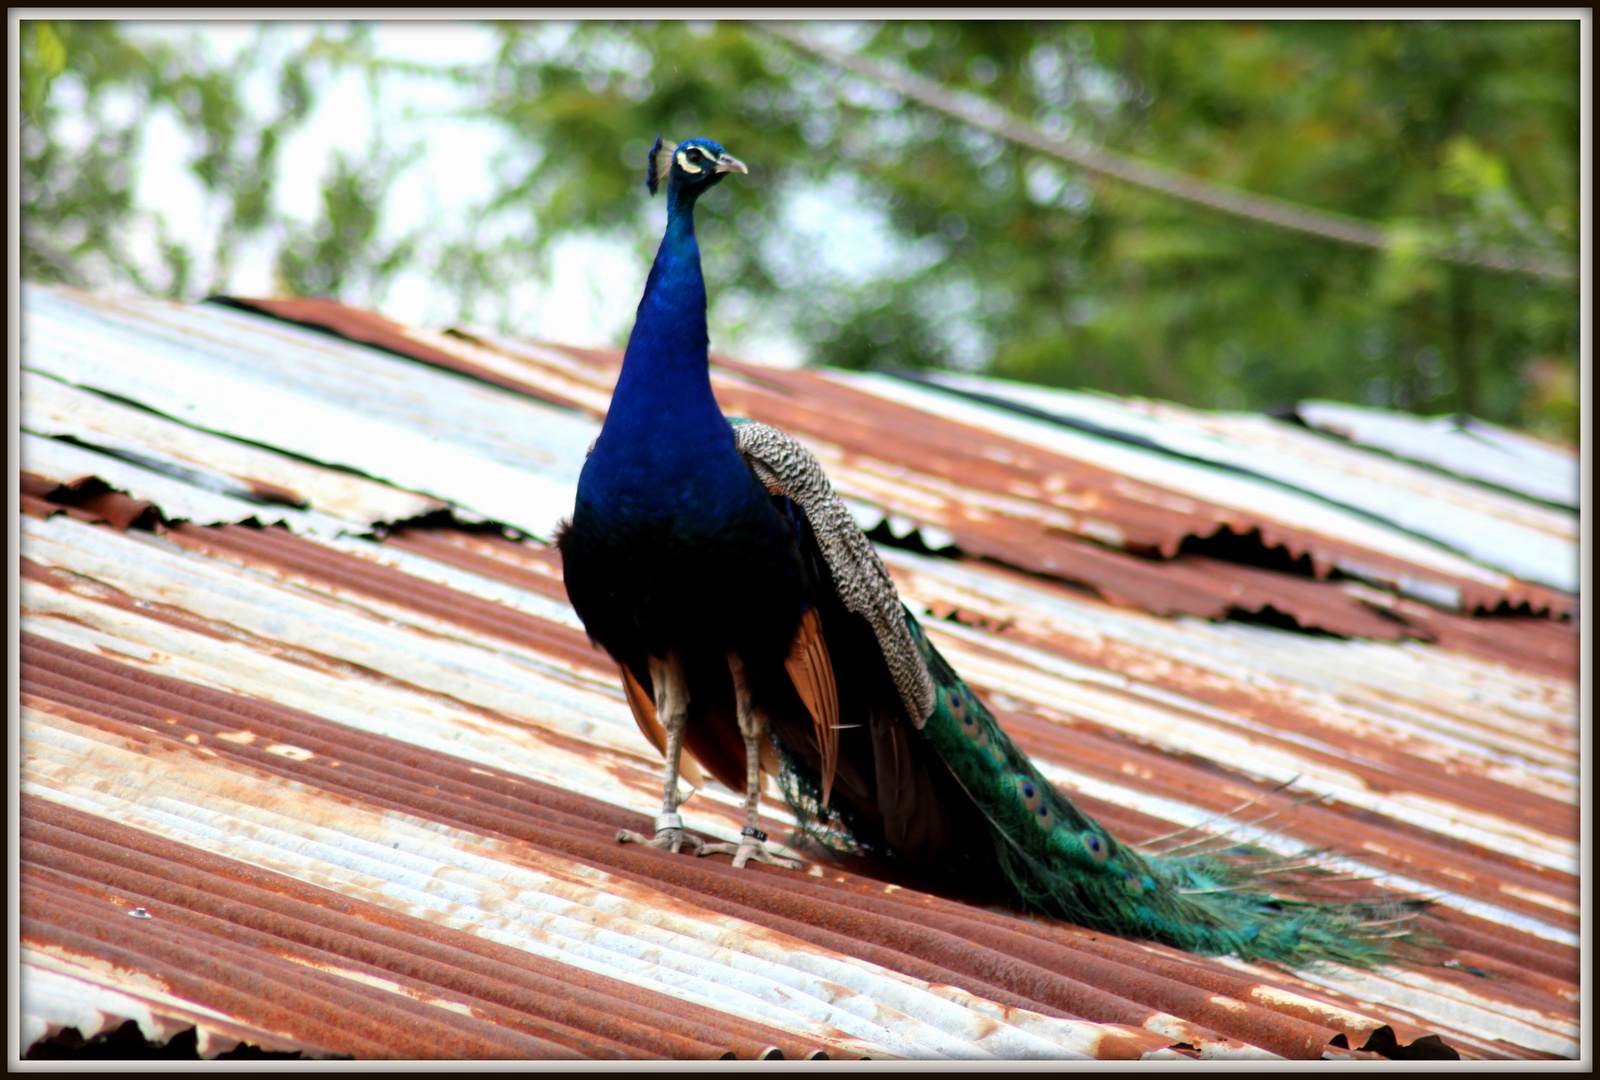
x,y
860,580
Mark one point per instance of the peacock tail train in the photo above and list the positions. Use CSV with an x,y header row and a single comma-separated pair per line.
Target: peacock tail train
x,y
1062,862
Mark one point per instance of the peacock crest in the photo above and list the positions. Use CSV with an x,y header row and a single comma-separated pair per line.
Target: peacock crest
x,y
659,163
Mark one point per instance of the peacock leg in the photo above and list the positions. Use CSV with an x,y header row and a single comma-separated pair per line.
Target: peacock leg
x,y
753,726
672,706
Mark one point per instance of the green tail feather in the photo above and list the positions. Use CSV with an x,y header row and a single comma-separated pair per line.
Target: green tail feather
x,y
1059,861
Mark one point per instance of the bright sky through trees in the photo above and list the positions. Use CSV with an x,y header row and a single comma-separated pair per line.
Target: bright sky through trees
x,y
595,281
488,174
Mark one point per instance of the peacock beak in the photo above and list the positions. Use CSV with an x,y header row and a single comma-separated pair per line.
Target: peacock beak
x,y
729,163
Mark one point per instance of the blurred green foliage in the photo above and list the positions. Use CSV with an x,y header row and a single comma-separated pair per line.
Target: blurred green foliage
x,y
884,235
90,91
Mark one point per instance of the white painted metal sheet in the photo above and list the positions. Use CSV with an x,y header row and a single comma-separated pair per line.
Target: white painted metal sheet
x,y
224,465
1532,541
489,451
1484,452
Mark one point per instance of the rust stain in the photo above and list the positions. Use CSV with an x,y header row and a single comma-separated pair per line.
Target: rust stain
x,y
267,491
289,915
86,498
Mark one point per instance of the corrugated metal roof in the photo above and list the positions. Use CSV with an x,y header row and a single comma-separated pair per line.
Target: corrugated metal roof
x,y
326,766
1348,540
1477,450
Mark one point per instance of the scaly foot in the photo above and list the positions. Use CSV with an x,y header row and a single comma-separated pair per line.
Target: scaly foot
x,y
751,845
669,835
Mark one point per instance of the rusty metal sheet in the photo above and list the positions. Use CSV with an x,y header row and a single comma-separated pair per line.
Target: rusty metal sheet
x,y
66,463
1173,1028
990,519
1272,509
85,499
486,699
59,991
515,366
171,647
136,866
544,904
1453,745
1039,505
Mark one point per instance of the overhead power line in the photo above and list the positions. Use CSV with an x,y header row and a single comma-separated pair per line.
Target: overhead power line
x,y
1265,209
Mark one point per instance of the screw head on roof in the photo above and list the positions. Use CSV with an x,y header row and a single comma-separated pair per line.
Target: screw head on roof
x,y
140,913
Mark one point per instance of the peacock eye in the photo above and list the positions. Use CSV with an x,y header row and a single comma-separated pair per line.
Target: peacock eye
x,y
695,155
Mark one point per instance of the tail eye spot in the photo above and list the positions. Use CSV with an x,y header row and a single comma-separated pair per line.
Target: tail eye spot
x,y
958,706
1031,794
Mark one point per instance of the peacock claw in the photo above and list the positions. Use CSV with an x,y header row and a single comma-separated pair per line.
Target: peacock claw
x,y
747,850
668,839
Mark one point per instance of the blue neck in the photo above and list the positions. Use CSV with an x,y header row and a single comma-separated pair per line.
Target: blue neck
x,y
665,447
666,364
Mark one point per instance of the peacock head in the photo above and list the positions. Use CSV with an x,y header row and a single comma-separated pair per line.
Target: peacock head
x,y
692,167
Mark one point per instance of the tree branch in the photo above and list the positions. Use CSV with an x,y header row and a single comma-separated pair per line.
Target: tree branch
x,y
981,113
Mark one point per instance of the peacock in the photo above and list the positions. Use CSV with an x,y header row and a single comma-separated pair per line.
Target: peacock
x,y
757,631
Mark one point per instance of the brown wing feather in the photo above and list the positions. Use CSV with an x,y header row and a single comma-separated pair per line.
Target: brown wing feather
x,y
770,763
811,670
714,740
644,714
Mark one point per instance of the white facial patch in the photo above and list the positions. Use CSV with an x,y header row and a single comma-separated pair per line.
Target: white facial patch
x,y
684,163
